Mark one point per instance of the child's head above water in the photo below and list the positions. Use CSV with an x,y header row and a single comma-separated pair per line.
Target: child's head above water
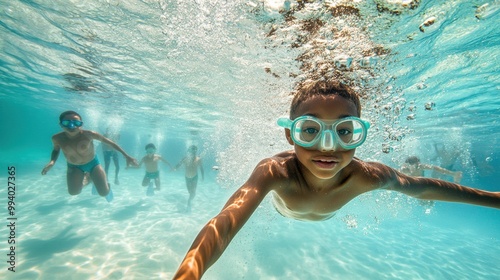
x,y
310,88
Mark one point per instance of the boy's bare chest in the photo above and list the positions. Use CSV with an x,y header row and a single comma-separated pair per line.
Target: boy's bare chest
x,y
314,202
80,145
151,160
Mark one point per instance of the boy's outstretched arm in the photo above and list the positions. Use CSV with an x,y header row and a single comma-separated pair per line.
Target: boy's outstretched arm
x,y
180,163
214,238
434,189
138,165
130,160
53,157
166,162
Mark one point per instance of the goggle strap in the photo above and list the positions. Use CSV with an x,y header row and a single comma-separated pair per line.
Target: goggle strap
x,y
285,122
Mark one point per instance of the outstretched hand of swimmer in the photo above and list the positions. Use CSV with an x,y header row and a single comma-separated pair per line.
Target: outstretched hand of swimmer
x,y
132,161
47,168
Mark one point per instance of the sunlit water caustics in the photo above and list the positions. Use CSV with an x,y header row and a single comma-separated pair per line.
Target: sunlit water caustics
x,y
218,74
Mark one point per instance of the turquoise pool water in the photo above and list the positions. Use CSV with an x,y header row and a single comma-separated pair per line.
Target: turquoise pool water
x,y
217,74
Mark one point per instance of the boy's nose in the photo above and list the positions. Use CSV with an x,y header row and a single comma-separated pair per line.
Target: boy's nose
x,y
327,141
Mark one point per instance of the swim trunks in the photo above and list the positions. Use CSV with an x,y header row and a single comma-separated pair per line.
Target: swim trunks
x,y
87,167
152,175
110,154
193,180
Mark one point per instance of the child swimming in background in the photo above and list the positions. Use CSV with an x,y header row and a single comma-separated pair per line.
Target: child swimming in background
x,y
110,153
150,161
319,176
78,148
191,163
413,167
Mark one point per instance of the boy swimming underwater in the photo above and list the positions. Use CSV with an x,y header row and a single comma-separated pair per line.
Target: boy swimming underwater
x,y
319,176
78,148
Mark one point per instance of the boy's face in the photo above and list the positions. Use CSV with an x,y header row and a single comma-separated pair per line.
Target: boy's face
x,y
321,162
150,151
71,124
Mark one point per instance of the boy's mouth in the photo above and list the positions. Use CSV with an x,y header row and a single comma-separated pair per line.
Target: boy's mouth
x,y
325,163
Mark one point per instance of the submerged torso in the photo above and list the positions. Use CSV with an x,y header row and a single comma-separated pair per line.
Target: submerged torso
x,y
78,149
191,165
293,198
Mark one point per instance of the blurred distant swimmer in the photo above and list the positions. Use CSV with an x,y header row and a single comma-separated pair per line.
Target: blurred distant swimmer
x,y
150,161
192,163
413,167
78,148
319,176
110,153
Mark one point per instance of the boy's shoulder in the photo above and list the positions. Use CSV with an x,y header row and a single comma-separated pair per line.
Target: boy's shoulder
x,y
360,166
285,155
281,163
275,171
91,133
371,174
58,135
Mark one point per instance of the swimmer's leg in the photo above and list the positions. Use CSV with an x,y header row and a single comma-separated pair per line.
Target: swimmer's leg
x,y
106,162
86,179
157,183
74,178
117,167
191,187
98,175
145,181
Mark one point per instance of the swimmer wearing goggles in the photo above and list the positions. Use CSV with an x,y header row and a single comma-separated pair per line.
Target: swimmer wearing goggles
x,y
307,131
71,124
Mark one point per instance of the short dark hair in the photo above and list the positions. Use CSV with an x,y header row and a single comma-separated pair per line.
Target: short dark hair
x,y
65,113
311,88
412,160
150,145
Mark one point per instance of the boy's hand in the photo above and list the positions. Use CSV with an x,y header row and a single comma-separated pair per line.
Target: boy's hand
x,y
132,161
47,168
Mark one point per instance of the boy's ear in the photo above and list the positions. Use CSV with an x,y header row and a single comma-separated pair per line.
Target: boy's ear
x,y
288,137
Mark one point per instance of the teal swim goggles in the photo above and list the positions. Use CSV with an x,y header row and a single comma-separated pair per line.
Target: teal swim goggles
x,y
71,123
307,131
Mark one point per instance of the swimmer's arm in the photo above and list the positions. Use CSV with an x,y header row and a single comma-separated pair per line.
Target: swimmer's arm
x,y
97,136
53,156
139,164
438,169
179,164
457,175
434,189
214,238
166,162
200,164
